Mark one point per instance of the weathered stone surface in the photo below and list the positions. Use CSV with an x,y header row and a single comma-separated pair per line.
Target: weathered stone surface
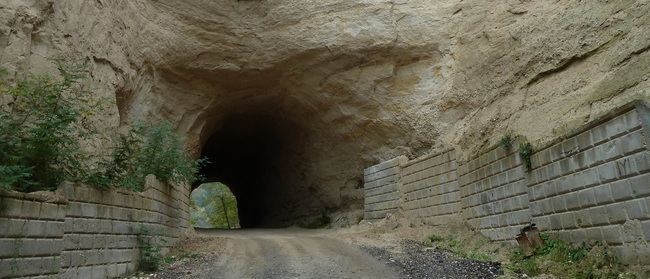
x,y
342,84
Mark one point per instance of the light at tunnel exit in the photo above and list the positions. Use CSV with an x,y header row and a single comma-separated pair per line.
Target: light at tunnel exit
x,y
214,206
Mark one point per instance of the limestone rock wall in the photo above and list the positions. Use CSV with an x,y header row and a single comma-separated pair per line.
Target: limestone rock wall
x,y
363,81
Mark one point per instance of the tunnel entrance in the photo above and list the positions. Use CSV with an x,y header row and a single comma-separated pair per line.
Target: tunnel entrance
x,y
250,153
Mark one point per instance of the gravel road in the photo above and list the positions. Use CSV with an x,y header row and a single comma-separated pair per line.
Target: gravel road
x,y
300,253
286,253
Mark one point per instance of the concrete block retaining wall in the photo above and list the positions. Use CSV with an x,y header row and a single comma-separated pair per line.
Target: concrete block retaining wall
x,y
429,188
83,232
591,185
381,195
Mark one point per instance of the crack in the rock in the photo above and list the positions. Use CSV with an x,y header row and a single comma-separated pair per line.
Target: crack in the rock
x,y
566,63
632,54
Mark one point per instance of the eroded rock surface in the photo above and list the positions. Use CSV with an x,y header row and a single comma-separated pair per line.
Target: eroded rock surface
x,y
295,98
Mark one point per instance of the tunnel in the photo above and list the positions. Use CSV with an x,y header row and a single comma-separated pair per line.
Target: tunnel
x,y
248,153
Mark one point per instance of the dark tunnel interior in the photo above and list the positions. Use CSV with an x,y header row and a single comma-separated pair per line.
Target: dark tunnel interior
x,y
241,154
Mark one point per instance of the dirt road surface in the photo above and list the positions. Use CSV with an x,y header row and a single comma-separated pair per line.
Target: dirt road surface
x,y
288,253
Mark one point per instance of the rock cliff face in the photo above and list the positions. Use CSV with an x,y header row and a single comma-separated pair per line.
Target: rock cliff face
x,y
292,99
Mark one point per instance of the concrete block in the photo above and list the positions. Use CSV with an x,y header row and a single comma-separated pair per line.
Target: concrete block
x,y
599,215
594,234
637,209
616,126
589,177
587,198
607,172
555,152
583,140
572,201
626,167
599,134
568,220
632,143
558,204
640,185
546,206
38,247
12,227
645,226
568,183
632,232
578,236
35,228
543,222
30,210
563,236
555,222
84,272
583,218
621,190
612,235
632,118
535,209
10,247
603,194
642,161
48,211
616,213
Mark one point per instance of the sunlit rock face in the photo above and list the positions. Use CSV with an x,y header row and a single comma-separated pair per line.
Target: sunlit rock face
x,y
292,99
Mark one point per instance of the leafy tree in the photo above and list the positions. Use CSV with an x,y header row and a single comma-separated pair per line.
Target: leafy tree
x,y
46,119
41,128
214,203
144,150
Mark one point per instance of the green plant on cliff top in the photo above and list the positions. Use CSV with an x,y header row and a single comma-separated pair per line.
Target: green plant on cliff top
x,y
41,127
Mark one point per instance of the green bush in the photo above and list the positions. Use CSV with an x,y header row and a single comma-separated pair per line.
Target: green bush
x,y
144,150
41,128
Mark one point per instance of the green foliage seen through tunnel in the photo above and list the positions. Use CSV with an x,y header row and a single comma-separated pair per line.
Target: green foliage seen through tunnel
x,y
214,206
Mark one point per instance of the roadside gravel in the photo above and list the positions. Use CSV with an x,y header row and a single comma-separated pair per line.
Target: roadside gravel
x,y
418,262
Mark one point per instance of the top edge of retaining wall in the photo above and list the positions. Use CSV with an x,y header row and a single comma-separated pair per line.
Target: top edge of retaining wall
x,y
431,155
397,161
40,196
640,105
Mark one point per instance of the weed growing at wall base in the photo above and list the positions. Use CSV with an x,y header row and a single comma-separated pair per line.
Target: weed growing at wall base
x,y
151,258
568,261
